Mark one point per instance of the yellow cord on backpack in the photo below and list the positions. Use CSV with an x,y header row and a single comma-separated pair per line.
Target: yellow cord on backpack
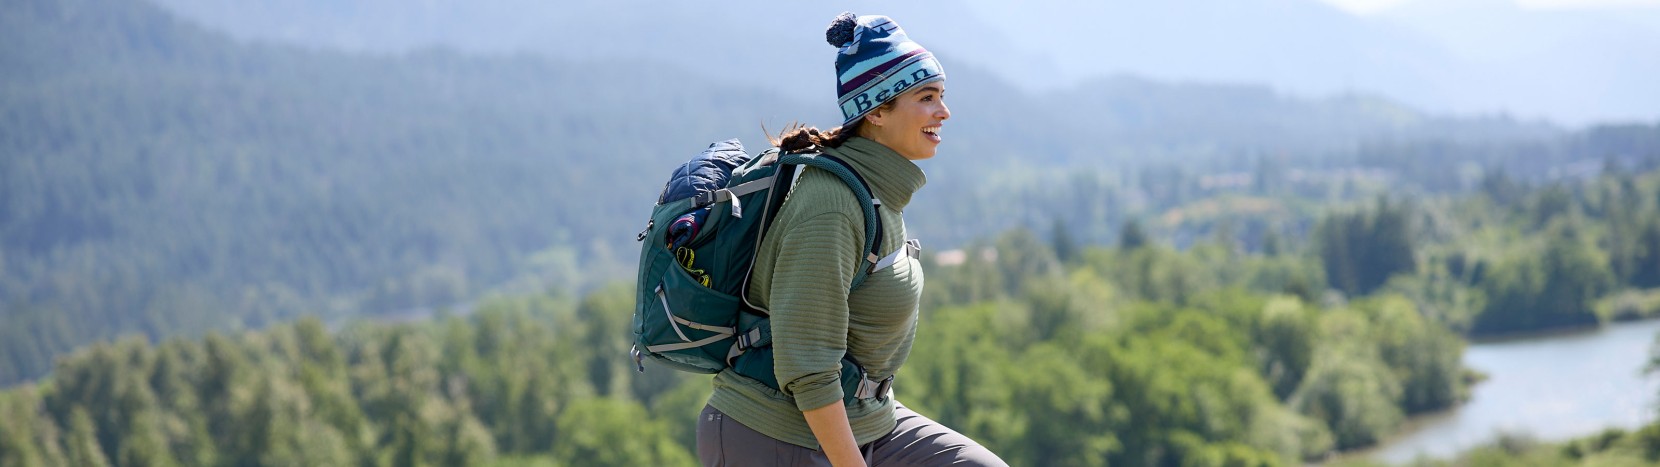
x,y
684,256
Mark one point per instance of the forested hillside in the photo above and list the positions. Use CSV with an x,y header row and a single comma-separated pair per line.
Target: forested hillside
x,y
163,179
1048,351
1050,363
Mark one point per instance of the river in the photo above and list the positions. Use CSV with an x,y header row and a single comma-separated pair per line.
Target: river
x,y
1551,388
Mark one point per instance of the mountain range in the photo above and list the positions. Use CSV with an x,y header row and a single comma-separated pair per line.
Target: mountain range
x,y
1466,57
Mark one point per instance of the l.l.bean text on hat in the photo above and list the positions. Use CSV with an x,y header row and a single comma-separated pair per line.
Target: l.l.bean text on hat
x,y
863,101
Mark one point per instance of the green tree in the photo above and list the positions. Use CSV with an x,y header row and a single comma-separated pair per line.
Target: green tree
x,y
1062,241
1348,386
1157,273
1132,236
178,362
1550,290
82,444
1178,398
27,437
601,329
958,371
1286,334
1425,358
1068,411
1023,258
1646,258
1552,202
1360,251
611,431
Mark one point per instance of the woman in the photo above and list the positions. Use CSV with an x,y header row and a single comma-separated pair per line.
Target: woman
x,y
891,92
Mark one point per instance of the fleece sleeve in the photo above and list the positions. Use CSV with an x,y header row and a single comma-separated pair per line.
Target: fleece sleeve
x,y
815,266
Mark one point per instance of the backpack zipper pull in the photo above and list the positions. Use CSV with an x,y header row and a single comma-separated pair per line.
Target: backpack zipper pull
x,y
642,236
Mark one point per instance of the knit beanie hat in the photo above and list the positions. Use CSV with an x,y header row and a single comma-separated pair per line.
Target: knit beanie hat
x,y
877,62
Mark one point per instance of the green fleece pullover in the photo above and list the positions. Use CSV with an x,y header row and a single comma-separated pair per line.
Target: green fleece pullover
x,y
803,268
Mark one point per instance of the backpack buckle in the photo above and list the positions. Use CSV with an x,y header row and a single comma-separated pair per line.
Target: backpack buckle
x,y
748,340
871,389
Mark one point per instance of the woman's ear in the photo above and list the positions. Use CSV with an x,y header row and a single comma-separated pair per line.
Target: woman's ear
x,y
876,115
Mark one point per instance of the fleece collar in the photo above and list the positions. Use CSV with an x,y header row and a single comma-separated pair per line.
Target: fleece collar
x,y
892,177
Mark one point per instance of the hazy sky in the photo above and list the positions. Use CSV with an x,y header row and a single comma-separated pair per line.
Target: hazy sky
x,y
1373,6
1571,61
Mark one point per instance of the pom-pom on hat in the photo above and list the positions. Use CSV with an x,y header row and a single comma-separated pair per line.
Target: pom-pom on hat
x,y
877,62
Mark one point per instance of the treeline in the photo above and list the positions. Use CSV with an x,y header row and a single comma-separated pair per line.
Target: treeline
x,y
1613,446
1511,257
1050,351
1587,240
1452,166
522,376
1198,356
1141,355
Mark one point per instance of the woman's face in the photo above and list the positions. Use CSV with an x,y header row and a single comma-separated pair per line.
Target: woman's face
x,y
911,126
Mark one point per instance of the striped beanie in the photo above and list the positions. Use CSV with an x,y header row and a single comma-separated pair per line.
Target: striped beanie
x,y
877,62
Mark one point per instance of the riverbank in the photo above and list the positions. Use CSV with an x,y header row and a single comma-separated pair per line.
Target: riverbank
x,y
1609,447
1549,387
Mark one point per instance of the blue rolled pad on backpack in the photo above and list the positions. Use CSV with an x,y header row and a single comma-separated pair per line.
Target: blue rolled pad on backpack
x,y
707,172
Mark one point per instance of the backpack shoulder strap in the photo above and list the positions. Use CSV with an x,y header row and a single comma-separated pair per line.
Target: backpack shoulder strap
x,y
867,203
756,331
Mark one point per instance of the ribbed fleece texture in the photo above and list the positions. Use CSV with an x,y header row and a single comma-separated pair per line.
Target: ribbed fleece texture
x,y
803,268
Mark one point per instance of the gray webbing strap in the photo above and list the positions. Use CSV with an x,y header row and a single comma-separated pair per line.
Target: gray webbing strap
x,y
734,193
695,325
743,189
912,249
725,194
720,331
687,345
661,297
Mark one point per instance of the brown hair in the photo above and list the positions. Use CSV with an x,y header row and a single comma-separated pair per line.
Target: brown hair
x,y
797,137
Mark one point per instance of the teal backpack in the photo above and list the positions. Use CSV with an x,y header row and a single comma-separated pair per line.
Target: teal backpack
x,y
696,254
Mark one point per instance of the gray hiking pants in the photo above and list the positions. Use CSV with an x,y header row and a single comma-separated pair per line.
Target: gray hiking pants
x,y
917,441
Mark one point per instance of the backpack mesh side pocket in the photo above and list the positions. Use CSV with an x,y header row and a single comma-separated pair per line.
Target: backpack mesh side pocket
x,y
678,321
